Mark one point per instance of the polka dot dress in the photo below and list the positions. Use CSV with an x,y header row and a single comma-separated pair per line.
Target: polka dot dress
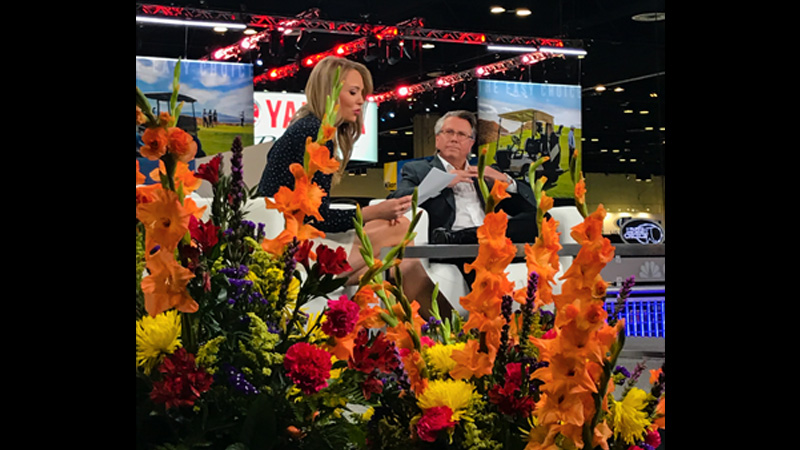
x,y
289,149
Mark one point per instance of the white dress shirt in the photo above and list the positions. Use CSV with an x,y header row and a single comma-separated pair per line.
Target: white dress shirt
x,y
469,212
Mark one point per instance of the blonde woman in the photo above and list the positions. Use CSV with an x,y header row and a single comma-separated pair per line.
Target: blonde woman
x,y
385,222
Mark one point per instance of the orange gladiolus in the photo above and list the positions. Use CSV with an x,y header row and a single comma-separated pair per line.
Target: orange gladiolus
x,y
582,279
146,194
164,119
155,143
182,176
181,144
140,178
369,315
320,158
304,200
496,251
165,287
661,411
141,119
499,192
293,229
580,191
399,334
328,131
546,203
542,258
471,362
414,365
166,221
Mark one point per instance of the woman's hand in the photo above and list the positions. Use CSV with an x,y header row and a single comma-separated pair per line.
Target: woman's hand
x,y
390,209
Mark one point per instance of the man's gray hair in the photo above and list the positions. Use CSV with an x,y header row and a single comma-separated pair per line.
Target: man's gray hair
x,y
461,114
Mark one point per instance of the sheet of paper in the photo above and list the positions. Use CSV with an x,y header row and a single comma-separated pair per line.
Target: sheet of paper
x,y
432,185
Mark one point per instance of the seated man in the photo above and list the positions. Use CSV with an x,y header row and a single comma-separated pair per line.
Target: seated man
x,y
457,212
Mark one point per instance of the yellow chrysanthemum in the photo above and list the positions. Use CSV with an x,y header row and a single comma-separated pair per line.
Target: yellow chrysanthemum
x,y
293,290
627,418
455,394
438,357
155,337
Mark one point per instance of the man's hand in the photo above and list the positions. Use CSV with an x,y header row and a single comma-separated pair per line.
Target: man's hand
x,y
490,173
471,173
463,176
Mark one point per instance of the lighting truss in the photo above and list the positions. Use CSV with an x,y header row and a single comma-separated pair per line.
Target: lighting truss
x,y
370,35
412,29
459,77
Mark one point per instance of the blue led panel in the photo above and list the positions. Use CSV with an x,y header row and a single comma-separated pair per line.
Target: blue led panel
x,y
644,316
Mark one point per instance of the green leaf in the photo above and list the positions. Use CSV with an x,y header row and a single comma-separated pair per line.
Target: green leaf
x,y
260,426
175,87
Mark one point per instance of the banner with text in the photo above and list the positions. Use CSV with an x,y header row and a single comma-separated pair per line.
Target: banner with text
x,y
274,110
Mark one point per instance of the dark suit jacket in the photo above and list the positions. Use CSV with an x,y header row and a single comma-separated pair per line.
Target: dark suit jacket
x,y
442,208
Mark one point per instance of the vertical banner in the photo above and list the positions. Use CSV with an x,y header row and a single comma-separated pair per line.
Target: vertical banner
x,y
218,99
390,176
528,121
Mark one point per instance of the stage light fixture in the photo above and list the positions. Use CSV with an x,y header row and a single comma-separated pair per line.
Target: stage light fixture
x,y
497,10
395,52
522,12
403,91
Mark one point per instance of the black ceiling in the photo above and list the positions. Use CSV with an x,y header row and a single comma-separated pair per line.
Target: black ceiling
x,y
621,52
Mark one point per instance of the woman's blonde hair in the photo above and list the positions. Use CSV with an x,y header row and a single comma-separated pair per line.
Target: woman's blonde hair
x,y
318,87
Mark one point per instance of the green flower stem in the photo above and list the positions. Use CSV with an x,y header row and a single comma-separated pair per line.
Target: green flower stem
x,y
608,367
487,199
188,333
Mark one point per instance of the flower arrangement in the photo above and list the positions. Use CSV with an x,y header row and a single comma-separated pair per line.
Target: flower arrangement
x,y
228,358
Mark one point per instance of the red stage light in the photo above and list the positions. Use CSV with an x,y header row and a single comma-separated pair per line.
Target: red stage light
x,y
340,50
403,91
273,73
308,62
480,71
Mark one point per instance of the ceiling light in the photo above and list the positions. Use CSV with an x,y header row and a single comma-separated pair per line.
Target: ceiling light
x,y
249,32
497,10
510,48
600,88
618,89
563,51
522,12
428,45
189,23
220,29
650,17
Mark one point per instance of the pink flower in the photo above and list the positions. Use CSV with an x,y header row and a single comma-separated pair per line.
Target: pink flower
x,y
550,334
342,316
309,367
653,439
434,420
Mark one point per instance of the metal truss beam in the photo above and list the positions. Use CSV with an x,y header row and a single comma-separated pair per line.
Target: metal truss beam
x,y
412,29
